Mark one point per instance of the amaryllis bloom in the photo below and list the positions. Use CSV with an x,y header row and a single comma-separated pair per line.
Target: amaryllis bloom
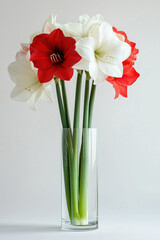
x,y
24,75
54,55
102,53
129,73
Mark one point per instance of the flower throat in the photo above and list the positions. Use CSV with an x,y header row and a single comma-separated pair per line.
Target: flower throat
x,y
56,58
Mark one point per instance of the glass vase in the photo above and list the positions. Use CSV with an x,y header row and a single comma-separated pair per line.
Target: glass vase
x,y
79,179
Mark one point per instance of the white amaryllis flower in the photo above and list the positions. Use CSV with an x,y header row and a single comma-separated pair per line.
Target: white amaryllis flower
x,y
102,53
83,27
24,75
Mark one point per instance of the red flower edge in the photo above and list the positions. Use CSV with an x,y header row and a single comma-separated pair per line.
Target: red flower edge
x,y
54,55
129,73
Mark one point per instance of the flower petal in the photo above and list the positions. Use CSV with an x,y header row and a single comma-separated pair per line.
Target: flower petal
x,y
119,50
56,38
119,89
46,75
129,78
68,45
21,73
41,43
96,74
20,94
83,64
47,94
85,47
32,101
113,70
50,24
40,61
63,73
71,58
72,29
106,33
89,23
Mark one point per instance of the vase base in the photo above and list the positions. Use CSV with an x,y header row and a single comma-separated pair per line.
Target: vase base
x,y
67,226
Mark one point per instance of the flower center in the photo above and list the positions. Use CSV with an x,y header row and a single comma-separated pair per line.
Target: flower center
x,y
56,57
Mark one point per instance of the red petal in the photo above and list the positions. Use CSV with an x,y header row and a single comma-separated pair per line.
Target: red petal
x,y
40,37
60,42
69,44
72,58
41,61
45,75
63,73
129,78
40,43
56,39
110,79
119,89
40,48
127,67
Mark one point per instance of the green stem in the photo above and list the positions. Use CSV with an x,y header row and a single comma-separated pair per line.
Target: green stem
x,y
76,118
91,104
73,182
65,102
66,173
60,104
69,166
83,176
64,147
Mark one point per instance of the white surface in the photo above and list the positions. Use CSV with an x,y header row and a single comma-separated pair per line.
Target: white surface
x,y
112,230
128,131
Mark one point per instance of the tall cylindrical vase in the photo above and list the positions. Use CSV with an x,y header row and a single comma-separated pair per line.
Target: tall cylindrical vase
x,y
79,179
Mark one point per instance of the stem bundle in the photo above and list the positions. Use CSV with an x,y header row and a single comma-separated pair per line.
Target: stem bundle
x,y
75,164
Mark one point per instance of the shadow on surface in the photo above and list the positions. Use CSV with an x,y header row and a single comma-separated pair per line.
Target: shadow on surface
x,y
28,228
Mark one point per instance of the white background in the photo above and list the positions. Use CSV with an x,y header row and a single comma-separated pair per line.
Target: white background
x,y
128,131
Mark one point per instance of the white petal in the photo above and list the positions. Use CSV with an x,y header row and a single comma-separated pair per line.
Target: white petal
x,y
96,74
89,22
117,49
113,70
32,102
106,32
43,94
84,18
20,94
85,47
72,30
123,52
83,64
21,73
25,46
97,19
33,35
94,32
47,28
47,94
50,24
21,55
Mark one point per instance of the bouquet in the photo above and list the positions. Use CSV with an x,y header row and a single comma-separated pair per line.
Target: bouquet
x,y
91,47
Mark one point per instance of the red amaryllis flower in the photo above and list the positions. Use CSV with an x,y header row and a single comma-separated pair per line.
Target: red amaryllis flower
x,y
129,73
54,55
